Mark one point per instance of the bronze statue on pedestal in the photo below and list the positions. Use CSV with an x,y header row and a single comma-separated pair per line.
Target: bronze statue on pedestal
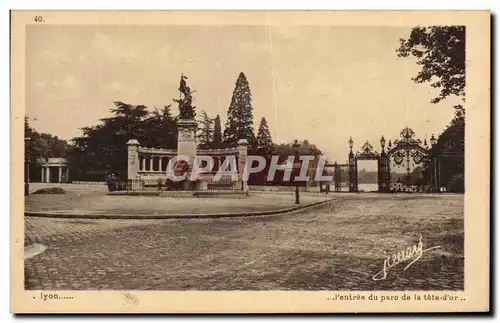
x,y
186,109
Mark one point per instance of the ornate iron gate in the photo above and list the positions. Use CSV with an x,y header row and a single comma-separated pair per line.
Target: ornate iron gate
x,y
367,153
340,176
403,152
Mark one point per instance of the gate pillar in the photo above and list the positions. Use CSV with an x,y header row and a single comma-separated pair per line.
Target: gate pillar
x,y
336,177
382,173
435,184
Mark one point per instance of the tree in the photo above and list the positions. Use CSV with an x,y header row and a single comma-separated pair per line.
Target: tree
x,y
161,129
217,142
41,146
449,152
239,123
102,148
205,131
367,176
440,50
35,147
305,148
264,142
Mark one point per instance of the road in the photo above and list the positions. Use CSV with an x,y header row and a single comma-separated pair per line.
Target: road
x,y
340,246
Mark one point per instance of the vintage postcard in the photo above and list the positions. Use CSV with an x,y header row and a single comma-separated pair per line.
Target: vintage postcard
x,y
250,161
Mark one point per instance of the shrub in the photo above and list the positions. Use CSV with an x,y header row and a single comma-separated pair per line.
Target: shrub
x,y
50,190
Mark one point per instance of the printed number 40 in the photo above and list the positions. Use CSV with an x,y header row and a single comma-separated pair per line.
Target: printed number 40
x,y
38,19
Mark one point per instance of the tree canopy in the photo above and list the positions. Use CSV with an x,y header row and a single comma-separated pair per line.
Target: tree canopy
x,y
287,149
440,51
102,148
205,131
239,123
264,141
217,140
42,145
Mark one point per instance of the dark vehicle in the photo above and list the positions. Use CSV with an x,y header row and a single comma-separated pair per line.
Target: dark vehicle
x,y
113,182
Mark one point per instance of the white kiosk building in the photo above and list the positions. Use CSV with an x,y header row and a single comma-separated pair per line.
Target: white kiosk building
x,y
54,170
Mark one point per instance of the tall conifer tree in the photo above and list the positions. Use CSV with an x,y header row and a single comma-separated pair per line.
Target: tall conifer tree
x,y
239,123
264,142
217,142
205,131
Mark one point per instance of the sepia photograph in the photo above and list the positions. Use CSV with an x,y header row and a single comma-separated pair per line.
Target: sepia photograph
x,y
260,156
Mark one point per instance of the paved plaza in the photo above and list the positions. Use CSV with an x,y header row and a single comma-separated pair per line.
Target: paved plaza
x,y
338,246
92,201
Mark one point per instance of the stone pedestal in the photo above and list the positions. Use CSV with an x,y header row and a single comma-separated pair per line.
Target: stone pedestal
x,y
242,159
186,143
186,139
133,159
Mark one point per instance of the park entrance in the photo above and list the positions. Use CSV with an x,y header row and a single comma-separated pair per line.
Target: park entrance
x,y
399,168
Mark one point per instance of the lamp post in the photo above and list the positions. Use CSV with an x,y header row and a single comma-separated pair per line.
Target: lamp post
x,y
382,167
26,166
433,142
296,146
382,143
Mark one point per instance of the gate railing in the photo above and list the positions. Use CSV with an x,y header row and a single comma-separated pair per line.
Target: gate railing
x,y
157,185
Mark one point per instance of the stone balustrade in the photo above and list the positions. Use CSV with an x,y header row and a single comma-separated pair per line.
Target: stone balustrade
x,y
151,163
217,152
157,151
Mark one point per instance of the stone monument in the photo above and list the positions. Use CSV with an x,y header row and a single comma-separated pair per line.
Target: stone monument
x,y
155,175
186,127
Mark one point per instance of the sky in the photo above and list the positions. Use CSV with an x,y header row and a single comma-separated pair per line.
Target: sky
x,y
320,83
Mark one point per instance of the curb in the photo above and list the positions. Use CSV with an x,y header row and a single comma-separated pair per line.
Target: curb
x,y
174,216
